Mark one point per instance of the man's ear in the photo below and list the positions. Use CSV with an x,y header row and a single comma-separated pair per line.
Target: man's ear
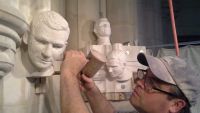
x,y
177,105
25,37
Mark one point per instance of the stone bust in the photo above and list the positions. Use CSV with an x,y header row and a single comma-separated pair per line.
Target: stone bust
x,y
43,44
102,30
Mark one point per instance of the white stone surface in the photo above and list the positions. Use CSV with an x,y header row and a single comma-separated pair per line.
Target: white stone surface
x,y
12,26
18,96
7,55
11,34
15,95
11,17
29,7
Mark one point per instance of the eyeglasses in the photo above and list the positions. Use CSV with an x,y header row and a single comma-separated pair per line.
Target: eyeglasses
x,y
151,83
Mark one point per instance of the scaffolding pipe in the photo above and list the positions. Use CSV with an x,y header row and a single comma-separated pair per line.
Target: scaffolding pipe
x,y
173,27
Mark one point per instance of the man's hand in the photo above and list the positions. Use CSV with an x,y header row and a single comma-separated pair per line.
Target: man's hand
x,y
97,101
73,62
87,84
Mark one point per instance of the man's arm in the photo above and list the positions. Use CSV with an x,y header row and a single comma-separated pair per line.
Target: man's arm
x,y
71,99
97,101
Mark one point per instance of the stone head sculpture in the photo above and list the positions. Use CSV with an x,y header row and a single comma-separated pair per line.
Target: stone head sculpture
x,y
103,31
47,39
116,62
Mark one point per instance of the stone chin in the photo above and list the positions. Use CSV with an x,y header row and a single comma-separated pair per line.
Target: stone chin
x,y
43,73
42,66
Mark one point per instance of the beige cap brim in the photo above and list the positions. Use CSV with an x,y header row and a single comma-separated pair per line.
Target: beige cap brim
x,y
157,66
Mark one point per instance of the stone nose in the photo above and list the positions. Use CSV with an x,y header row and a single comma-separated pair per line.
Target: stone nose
x,y
47,52
139,82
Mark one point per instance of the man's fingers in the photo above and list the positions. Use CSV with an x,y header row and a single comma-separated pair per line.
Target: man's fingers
x,y
84,77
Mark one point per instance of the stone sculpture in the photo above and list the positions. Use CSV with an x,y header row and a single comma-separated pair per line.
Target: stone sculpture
x,y
116,63
121,65
12,26
42,45
102,30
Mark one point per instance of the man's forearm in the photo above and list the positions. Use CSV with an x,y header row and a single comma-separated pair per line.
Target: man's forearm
x,y
71,99
98,102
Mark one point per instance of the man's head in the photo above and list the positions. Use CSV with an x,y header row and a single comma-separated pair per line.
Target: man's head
x,y
102,28
47,39
116,62
168,85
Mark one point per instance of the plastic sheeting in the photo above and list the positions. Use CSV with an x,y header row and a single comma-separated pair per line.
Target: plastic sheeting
x,y
191,54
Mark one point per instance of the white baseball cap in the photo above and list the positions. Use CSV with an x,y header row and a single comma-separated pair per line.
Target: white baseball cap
x,y
176,71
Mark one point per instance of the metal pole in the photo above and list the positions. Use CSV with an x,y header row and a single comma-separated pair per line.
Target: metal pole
x,y
173,27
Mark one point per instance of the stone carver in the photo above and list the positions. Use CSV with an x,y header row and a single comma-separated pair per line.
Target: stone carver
x,y
103,31
42,45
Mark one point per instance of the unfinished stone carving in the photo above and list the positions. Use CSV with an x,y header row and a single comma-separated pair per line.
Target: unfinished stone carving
x,y
116,63
12,26
102,30
116,76
44,44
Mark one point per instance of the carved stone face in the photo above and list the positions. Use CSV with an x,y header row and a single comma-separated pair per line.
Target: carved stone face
x,y
116,62
102,28
115,68
46,45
